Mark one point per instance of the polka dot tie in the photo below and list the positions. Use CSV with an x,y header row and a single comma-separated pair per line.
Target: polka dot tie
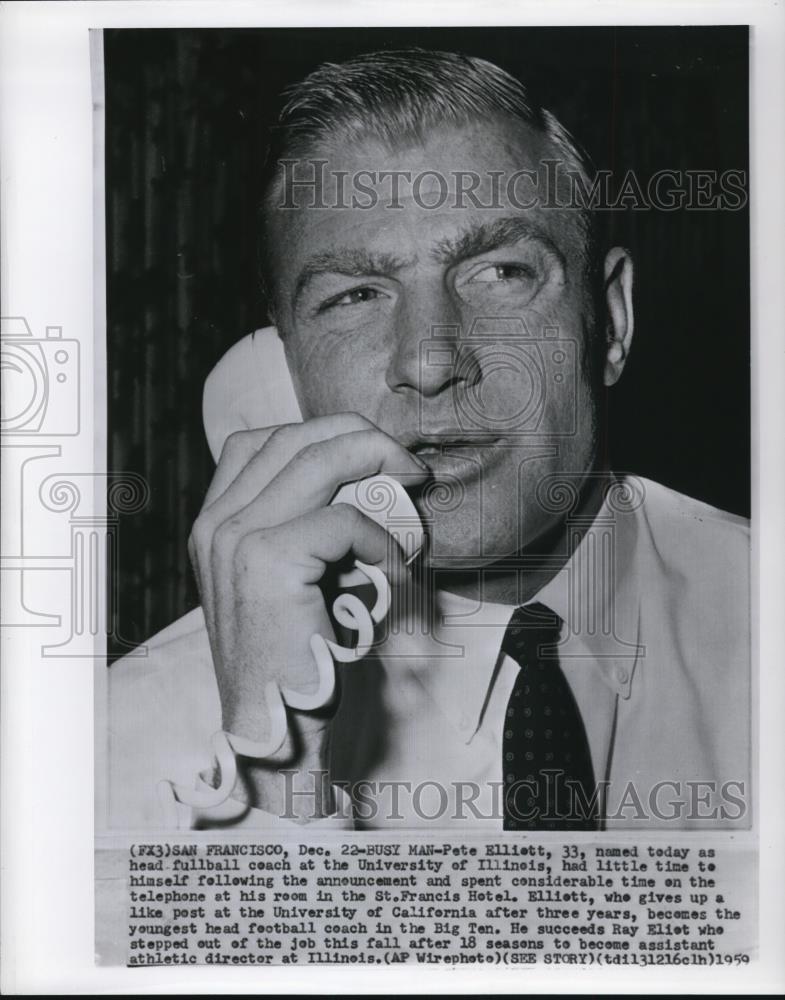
x,y
548,776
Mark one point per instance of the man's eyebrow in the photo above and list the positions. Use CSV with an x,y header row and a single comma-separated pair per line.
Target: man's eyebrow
x,y
483,238
351,261
486,237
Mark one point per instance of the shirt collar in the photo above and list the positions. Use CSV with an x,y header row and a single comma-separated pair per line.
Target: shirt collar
x,y
594,593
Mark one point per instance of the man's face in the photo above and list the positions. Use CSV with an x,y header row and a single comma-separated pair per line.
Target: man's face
x,y
460,330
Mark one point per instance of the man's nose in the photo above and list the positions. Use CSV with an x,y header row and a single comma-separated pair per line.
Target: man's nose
x,y
430,355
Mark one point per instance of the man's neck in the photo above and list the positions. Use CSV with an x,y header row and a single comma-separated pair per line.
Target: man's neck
x,y
520,576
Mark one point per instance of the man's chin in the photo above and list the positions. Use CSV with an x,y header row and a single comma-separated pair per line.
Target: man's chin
x,y
457,555
458,560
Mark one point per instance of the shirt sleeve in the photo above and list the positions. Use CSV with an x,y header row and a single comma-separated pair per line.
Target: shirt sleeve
x,y
160,709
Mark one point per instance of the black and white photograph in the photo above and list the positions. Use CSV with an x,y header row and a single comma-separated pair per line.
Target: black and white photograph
x,y
445,308
392,554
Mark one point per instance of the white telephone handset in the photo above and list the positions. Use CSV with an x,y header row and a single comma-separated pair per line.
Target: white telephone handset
x,y
251,387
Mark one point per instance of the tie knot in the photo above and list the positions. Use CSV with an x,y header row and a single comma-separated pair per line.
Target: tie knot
x,y
532,633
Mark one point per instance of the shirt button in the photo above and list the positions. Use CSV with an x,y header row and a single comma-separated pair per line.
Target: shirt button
x,y
622,675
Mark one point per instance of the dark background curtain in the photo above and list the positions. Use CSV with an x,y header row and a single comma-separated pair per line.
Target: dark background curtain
x,y
186,118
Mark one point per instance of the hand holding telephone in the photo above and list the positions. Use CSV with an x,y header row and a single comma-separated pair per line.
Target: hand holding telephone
x,y
251,388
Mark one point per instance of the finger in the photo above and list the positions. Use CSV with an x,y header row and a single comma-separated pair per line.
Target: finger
x,y
309,543
317,471
252,465
286,605
266,566
248,461
238,449
308,483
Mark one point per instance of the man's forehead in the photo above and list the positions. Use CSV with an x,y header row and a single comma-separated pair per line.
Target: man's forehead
x,y
445,157
416,199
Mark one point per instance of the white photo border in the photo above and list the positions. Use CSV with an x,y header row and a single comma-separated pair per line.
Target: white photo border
x,y
53,275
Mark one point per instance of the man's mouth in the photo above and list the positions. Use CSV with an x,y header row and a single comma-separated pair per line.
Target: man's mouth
x,y
441,443
455,456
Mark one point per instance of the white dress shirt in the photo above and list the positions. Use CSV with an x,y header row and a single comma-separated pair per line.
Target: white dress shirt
x,y
654,643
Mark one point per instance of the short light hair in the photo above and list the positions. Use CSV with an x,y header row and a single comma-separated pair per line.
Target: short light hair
x,y
401,95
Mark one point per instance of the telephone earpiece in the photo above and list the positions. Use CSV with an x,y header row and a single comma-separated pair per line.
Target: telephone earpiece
x,y
249,387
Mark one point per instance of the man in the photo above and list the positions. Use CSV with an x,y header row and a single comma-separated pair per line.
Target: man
x,y
570,649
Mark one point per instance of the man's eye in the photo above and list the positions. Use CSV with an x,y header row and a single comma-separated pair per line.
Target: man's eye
x,y
353,298
502,272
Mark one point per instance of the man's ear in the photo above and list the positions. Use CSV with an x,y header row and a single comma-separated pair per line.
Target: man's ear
x,y
620,320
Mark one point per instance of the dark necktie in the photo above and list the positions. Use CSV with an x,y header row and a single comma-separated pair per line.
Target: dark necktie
x,y
548,776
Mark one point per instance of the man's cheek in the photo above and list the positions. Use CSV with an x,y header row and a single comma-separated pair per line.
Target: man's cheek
x,y
337,385
320,367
